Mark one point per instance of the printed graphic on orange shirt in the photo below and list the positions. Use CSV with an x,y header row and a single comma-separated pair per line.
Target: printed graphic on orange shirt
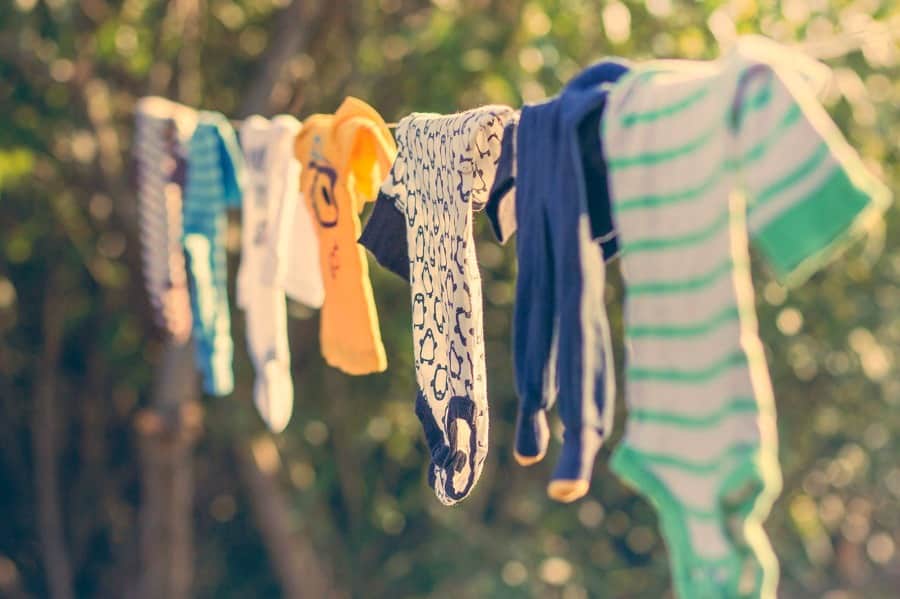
x,y
321,191
334,261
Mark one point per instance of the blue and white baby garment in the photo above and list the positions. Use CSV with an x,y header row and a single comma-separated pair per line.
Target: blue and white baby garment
x,y
214,184
443,171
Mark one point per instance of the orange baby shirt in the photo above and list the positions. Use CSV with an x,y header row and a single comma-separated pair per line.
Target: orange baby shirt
x,y
344,158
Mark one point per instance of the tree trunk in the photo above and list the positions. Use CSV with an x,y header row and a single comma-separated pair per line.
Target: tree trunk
x,y
45,437
167,434
292,25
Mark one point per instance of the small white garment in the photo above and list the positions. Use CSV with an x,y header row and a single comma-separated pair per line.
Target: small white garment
x,y
269,208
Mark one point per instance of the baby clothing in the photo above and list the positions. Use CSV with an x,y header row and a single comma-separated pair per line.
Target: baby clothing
x,y
214,183
343,159
268,209
561,339
161,129
444,170
702,156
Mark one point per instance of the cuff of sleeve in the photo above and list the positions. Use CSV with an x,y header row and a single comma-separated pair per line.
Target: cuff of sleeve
x,y
813,231
385,237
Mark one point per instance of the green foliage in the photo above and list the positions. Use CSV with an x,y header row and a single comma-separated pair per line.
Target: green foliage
x,y
353,459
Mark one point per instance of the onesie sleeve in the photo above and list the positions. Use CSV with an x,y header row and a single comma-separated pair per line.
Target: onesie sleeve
x,y
385,236
368,152
385,233
808,192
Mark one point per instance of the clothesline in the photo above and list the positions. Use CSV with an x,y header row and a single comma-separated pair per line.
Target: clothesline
x,y
236,123
833,47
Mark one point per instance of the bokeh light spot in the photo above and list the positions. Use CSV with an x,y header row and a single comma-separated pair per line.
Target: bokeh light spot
x,y
556,571
514,573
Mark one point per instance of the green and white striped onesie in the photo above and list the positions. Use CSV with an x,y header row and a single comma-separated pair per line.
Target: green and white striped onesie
x,y
702,156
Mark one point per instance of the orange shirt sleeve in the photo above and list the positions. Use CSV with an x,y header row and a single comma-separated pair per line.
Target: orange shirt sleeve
x,y
368,151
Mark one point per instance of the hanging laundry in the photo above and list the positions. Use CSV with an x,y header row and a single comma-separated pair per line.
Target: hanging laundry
x,y
561,340
443,172
343,158
701,156
161,129
268,219
214,183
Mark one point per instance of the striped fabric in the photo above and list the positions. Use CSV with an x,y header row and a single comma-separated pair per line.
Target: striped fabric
x,y
444,169
703,158
214,180
156,148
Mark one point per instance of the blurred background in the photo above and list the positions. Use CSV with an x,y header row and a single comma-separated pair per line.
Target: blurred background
x,y
117,479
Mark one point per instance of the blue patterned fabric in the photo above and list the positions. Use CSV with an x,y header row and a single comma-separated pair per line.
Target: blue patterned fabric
x,y
214,181
444,169
560,331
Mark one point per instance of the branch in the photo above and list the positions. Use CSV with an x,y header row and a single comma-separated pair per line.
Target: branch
x,y
291,33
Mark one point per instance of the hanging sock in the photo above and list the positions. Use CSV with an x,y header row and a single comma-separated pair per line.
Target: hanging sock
x,y
561,341
161,129
443,171
268,240
214,183
343,159
702,159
